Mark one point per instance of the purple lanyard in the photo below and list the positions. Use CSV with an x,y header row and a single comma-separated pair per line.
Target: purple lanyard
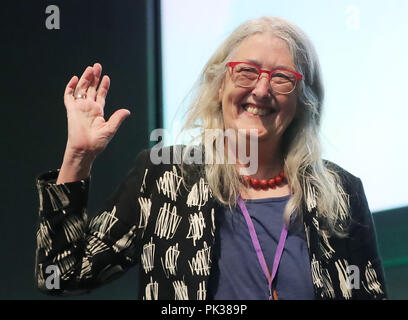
x,y
258,250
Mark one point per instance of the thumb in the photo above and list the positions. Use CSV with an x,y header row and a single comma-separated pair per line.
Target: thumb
x,y
116,119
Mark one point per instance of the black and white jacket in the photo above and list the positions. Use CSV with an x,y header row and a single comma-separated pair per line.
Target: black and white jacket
x,y
155,220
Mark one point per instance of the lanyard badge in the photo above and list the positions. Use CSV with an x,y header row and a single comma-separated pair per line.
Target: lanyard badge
x,y
261,259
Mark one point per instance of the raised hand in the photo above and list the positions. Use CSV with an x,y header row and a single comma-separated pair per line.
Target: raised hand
x,y
88,132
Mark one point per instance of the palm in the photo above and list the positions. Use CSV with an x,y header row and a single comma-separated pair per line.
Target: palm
x,y
87,129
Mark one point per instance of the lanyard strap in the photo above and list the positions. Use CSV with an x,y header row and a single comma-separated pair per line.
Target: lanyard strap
x,y
258,250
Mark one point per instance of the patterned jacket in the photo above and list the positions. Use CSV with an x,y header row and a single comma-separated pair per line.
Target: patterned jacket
x,y
166,223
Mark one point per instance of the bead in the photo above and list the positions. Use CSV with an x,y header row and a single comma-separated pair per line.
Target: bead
x,y
255,182
264,183
271,183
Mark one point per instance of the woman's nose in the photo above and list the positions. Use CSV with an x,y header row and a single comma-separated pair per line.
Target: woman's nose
x,y
263,87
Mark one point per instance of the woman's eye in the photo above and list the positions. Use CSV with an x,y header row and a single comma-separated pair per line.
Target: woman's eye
x,y
281,77
245,68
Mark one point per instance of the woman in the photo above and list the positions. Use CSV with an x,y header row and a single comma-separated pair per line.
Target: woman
x,y
296,228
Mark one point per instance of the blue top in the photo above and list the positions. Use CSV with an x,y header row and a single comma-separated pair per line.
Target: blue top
x,y
236,273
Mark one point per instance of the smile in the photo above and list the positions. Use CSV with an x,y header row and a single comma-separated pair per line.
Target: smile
x,y
252,109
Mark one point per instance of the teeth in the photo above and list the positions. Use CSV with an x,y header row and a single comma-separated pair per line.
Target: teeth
x,y
255,110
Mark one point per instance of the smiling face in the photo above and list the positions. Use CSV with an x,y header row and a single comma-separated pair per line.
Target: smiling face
x,y
259,107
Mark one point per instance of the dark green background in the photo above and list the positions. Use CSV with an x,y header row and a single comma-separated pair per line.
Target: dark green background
x,y
36,64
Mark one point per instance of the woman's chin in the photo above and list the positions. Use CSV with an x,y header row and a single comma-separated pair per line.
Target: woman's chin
x,y
260,133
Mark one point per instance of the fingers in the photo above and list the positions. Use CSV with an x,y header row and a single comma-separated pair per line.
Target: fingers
x,y
97,70
88,84
85,81
116,120
70,88
103,90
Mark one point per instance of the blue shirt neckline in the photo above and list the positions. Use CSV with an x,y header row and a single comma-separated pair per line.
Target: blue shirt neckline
x,y
269,199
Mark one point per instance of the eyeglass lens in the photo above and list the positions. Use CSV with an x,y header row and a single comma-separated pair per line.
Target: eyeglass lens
x,y
282,81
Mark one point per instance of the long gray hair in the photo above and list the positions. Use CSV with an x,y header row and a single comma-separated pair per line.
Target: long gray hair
x,y
314,185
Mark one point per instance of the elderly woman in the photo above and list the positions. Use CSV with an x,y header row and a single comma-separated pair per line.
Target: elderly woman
x,y
298,227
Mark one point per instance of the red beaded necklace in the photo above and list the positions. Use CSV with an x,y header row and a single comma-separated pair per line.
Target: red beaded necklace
x,y
266,183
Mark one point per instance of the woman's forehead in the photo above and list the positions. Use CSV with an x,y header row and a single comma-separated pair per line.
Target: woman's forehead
x,y
264,50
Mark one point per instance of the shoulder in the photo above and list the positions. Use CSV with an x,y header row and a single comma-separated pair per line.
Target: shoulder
x,y
343,173
353,188
358,205
350,183
156,161
360,246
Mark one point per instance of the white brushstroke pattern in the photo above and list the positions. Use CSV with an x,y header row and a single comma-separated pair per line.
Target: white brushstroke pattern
x,y
62,255
200,264
44,240
373,285
68,275
65,265
169,184
307,232
101,224
321,278
40,197
213,222
125,241
143,186
95,246
145,208
343,278
201,292
344,209
180,290
148,256
310,196
328,290
316,223
198,196
170,260
58,195
152,290
86,268
197,225
73,229
325,247
40,276
167,222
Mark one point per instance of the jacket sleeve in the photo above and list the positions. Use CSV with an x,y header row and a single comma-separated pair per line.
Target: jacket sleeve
x,y
363,249
75,255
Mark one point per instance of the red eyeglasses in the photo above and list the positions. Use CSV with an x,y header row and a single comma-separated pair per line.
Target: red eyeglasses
x,y
246,74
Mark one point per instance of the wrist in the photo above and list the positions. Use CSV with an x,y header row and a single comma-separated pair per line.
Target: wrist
x,y
78,158
75,167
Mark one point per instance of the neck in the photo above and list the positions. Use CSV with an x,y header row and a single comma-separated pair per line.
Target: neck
x,y
270,163
269,159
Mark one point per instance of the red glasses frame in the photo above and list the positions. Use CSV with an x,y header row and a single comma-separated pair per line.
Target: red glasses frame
x,y
269,72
